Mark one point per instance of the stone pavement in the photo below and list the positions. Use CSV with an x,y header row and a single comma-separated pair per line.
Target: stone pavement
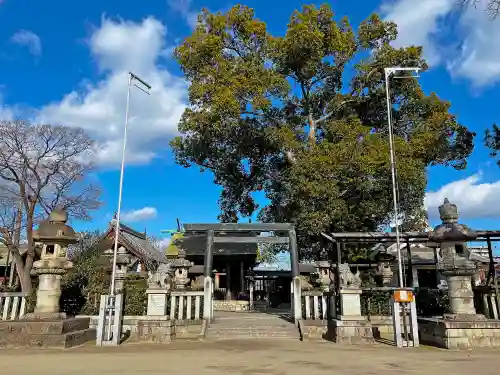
x,y
250,357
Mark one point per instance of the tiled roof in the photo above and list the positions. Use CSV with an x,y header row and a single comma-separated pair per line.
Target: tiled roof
x,y
137,242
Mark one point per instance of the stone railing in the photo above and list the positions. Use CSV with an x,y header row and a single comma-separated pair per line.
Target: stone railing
x,y
186,305
487,302
315,305
12,305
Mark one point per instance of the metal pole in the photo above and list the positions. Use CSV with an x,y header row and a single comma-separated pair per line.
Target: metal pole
x,y
117,220
111,300
393,175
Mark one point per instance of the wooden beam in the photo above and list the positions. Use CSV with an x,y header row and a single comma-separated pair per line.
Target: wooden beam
x,y
250,240
236,227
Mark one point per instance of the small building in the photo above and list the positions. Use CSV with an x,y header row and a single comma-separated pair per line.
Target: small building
x,y
136,254
8,274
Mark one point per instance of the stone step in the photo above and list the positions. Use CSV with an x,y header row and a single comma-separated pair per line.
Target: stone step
x,y
50,327
63,340
251,325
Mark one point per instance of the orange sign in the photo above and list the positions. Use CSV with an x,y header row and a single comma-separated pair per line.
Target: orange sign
x,y
403,296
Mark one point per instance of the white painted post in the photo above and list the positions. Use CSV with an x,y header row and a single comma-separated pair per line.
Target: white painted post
x,y
297,299
188,308
101,323
112,315
414,324
316,307
396,323
207,298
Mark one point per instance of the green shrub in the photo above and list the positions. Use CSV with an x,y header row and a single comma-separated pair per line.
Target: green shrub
x,y
134,293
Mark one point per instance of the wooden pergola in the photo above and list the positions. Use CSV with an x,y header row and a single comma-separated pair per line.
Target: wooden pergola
x,y
343,238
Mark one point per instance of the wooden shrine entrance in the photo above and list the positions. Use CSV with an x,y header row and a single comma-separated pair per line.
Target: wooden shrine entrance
x,y
220,238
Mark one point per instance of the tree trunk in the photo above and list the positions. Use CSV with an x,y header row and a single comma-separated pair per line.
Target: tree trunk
x,y
21,270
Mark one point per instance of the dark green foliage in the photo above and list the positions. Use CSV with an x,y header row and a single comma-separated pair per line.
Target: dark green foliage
x,y
432,302
279,114
89,278
135,300
377,302
492,141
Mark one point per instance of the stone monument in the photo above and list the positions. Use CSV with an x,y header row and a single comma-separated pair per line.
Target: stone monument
x,y
350,327
47,326
160,284
461,327
157,326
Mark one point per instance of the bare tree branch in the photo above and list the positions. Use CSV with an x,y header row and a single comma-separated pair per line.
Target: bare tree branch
x,y
41,167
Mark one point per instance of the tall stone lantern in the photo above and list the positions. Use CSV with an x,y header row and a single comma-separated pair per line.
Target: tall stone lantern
x,y
384,267
454,262
181,268
123,260
55,236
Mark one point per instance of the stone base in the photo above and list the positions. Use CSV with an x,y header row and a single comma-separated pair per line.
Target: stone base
x,y
465,317
45,333
156,331
459,334
45,316
350,332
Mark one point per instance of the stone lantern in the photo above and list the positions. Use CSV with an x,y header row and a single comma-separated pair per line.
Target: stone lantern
x,y
384,267
454,262
323,271
55,236
181,268
123,260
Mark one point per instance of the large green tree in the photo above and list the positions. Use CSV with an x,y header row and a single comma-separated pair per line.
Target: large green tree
x,y
303,117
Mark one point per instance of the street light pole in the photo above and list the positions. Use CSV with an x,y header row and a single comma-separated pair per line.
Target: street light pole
x,y
388,73
132,78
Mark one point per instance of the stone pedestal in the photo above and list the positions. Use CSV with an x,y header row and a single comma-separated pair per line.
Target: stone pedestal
x,y
461,295
156,331
48,294
456,334
351,327
157,302
119,280
462,328
350,308
47,326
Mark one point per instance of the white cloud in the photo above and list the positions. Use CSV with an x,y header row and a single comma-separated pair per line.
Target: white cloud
x,y
142,214
473,198
6,113
163,242
119,47
418,23
28,39
467,44
184,8
478,58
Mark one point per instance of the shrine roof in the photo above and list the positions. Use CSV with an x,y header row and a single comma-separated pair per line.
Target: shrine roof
x,y
136,242
194,244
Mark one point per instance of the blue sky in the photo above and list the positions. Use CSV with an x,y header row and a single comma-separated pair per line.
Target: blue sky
x,y
66,62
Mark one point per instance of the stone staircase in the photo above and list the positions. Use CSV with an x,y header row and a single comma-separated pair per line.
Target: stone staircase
x,y
251,325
